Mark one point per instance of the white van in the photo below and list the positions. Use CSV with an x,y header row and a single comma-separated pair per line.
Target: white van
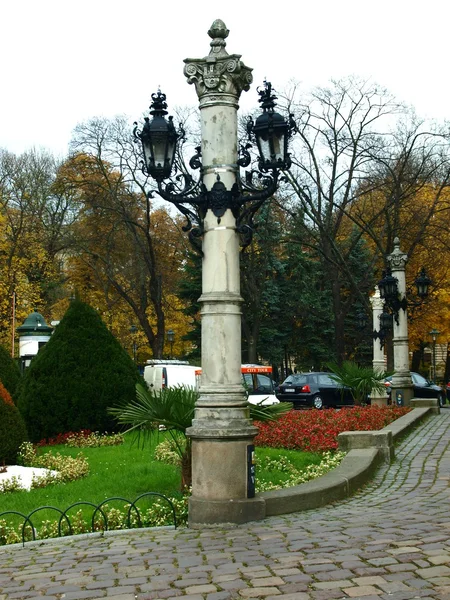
x,y
159,374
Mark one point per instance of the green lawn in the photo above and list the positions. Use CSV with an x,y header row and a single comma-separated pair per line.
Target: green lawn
x,y
126,471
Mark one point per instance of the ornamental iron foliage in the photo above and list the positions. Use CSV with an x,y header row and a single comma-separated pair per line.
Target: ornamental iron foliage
x,y
388,284
160,142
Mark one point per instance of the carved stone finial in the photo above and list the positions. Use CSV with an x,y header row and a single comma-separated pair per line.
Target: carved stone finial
x,y
219,75
218,32
397,259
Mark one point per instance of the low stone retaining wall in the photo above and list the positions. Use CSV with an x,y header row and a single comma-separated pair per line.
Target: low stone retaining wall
x,y
365,451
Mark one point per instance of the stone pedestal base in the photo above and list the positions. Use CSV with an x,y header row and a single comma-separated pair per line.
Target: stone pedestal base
x,y
379,401
224,512
407,393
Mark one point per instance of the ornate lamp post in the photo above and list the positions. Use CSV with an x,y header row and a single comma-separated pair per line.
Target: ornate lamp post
x,y
377,303
434,335
171,339
393,291
220,205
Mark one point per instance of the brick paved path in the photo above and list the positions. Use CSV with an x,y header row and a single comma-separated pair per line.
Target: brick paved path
x,y
390,541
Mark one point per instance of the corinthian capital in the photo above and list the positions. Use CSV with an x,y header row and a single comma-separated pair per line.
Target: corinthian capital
x,y
219,73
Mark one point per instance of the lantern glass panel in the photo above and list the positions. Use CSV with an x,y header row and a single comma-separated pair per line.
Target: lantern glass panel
x,y
171,147
422,289
146,147
159,149
278,146
264,148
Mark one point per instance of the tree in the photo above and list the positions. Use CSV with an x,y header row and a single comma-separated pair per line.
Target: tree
x,y
9,372
12,433
77,375
33,220
361,163
263,288
189,291
336,142
132,248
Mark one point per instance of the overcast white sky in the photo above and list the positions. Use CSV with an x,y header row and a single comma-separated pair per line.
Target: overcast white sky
x,y
63,62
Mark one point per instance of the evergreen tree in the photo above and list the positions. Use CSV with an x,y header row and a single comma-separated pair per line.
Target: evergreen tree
x,y
189,291
76,377
263,288
309,309
12,433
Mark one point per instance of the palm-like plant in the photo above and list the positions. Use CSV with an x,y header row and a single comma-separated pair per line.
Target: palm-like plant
x,y
360,380
172,409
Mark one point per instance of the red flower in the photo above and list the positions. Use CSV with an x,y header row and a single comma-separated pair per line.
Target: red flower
x,y
317,430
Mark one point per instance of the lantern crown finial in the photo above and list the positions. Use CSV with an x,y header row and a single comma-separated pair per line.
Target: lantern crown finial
x,y
266,98
159,105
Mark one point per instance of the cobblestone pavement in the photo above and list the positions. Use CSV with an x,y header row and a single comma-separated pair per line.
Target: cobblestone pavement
x,y
389,541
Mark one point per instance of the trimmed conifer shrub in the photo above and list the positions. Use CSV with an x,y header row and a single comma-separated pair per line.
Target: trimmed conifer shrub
x,y
12,433
9,372
79,373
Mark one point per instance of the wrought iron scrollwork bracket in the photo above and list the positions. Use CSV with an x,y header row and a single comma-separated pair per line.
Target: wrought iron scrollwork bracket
x,y
244,199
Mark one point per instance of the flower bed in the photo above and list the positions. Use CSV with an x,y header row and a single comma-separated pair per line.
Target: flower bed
x,y
85,438
317,430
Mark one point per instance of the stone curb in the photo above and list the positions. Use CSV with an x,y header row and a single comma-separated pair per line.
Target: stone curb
x,y
356,468
365,451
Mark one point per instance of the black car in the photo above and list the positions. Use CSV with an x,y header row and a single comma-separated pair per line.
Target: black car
x,y
316,390
422,388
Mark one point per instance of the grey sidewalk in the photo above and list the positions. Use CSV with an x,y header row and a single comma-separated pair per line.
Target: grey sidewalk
x,y
390,541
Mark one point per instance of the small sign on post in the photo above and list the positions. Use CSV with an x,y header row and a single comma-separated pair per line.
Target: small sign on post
x,y
251,471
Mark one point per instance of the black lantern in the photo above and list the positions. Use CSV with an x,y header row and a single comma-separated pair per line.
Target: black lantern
x,y
385,326
422,283
361,320
272,132
385,320
159,139
388,286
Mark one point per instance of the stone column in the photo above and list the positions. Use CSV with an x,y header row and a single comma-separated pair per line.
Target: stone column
x,y
377,398
401,380
221,433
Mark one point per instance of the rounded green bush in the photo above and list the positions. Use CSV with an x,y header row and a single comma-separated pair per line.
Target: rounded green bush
x,y
73,380
12,433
